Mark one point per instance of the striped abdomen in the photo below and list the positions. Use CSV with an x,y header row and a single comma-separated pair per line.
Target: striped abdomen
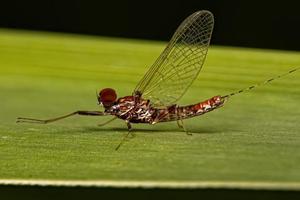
x,y
175,112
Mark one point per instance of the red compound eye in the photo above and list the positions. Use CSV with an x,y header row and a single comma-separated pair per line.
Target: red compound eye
x,y
107,96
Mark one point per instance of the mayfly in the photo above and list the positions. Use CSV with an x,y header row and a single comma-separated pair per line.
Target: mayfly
x,y
154,98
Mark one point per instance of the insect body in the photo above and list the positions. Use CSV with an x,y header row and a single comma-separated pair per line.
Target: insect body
x,y
134,109
155,96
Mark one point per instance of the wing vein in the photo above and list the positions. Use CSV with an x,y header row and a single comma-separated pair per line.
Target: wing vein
x,y
180,63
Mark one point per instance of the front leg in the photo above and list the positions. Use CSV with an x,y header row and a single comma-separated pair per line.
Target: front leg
x,y
40,121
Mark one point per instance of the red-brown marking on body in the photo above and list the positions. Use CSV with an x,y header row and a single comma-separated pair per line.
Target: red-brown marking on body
x,y
126,98
183,112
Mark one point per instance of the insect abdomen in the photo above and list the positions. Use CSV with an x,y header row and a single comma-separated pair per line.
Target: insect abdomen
x,y
200,108
175,112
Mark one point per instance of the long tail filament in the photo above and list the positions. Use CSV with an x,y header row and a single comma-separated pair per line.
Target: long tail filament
x,y
260,84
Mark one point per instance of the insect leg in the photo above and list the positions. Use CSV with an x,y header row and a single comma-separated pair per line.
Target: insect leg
x,y
181,125
107,122
125,136
40,121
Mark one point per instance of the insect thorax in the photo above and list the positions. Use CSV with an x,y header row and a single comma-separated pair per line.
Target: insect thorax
x,y
133,110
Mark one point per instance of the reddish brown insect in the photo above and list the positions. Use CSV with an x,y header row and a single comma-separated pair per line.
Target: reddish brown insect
x,y
154,98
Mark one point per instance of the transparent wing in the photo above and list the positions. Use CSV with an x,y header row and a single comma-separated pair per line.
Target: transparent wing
x,y
180,63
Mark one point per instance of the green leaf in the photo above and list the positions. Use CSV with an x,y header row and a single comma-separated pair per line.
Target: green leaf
x,y
253,139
